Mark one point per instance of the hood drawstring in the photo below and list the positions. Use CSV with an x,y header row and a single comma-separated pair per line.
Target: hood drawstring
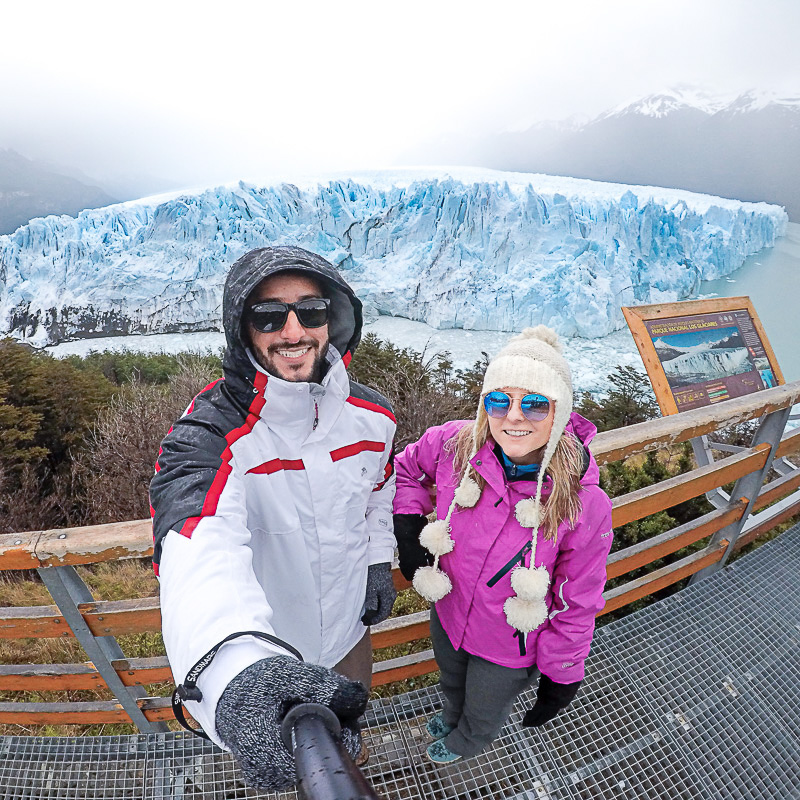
x,y
317,391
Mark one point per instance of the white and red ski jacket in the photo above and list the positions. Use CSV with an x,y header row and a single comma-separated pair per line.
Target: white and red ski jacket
x,y
266,517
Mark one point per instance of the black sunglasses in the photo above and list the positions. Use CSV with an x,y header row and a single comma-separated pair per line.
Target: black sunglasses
x,y
272,315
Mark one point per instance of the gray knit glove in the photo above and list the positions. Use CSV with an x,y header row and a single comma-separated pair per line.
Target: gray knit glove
x,y
381,594
254,703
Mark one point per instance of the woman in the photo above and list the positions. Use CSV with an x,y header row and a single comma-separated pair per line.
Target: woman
x,y
515,562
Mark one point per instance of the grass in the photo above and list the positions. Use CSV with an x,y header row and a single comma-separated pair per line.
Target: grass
x,y
120,580
408,602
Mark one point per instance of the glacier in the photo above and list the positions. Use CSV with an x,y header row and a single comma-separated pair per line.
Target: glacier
x,y
705,366
463,248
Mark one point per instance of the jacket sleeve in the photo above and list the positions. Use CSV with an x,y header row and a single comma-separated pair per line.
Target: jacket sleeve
x,y
208,587
578,579
379,509
417,467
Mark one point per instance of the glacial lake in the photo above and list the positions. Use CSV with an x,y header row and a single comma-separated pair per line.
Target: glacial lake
x,y
771,278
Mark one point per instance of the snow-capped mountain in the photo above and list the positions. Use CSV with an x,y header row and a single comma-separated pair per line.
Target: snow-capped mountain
x,y
758,101
683,98
465,248
745,147
732,340
679,98
666,352
669,350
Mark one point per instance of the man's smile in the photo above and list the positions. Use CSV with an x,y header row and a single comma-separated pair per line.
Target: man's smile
x,y
293,353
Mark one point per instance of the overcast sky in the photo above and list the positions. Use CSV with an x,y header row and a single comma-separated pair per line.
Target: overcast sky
x,y
198,94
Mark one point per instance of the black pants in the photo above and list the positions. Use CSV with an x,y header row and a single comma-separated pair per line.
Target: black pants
x,y
479,695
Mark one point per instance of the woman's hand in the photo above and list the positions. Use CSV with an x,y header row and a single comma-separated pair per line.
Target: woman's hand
x,y
551,697
407,528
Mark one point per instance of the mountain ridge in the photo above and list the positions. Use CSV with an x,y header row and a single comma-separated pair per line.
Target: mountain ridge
x,y
30,189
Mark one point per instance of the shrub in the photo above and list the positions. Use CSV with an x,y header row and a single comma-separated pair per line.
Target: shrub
x,y
47,407
423,390
116,467
631,400
153,368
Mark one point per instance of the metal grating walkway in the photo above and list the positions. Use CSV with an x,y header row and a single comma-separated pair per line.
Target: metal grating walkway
x,y
697,696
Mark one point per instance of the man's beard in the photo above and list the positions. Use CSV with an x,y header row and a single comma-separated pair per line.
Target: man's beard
x,y
268,361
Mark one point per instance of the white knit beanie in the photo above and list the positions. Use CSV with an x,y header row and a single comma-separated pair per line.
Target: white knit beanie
x,y
531,361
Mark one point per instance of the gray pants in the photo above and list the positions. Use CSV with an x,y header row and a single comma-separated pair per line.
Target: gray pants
x,y
479,695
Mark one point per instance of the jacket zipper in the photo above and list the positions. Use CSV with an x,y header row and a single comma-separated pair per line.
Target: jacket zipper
x,y
316,416
518,558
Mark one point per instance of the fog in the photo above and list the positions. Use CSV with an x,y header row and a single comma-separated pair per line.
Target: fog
x,y
160,95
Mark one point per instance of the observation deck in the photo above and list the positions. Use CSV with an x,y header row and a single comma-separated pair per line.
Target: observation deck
x,y
695,696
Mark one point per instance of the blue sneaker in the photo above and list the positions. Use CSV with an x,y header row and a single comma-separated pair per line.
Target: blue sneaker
x,y
439,754
437,728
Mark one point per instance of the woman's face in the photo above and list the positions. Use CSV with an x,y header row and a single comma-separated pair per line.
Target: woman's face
x,y
520,439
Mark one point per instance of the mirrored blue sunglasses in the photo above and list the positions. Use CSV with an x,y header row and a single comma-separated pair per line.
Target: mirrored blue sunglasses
x,y
535,407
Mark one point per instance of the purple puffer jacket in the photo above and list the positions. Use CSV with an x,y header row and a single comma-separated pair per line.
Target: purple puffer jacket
x,y
488,540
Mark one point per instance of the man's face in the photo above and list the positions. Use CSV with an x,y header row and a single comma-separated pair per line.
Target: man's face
x,y
293,353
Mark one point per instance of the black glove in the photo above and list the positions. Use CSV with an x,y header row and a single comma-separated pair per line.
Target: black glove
x,y
254,703
407,528
381,593
551,697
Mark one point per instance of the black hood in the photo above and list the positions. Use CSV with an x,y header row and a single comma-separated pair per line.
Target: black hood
x,y
344,326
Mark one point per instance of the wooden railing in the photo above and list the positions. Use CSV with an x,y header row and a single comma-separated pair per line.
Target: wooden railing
x,y
96,624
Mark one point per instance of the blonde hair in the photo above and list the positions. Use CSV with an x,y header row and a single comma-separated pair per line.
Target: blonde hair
x,y
565,469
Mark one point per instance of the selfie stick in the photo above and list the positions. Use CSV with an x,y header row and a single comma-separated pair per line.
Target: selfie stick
x,y
324,768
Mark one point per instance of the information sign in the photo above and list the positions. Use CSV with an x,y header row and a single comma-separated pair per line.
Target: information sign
x,y
700,352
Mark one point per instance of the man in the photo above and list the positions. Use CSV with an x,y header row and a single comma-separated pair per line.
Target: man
x,y
272,516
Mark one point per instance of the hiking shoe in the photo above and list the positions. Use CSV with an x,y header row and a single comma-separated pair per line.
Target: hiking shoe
x,y
439,754
437,728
